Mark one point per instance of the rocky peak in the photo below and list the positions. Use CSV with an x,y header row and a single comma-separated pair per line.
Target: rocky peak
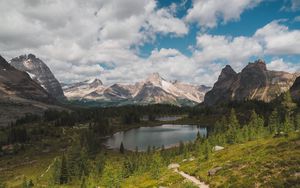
x,y
154,78
95,82
257,65
254,82
4,65
39,72
295,89
227,72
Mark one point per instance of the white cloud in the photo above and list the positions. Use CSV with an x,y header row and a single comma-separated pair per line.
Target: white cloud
x,y
278,39
280,65
208,13
235,50
83,34
100,38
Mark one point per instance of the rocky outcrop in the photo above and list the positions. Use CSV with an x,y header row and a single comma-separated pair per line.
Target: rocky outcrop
x,y
20,95
15,83
254,82
295,89
40,73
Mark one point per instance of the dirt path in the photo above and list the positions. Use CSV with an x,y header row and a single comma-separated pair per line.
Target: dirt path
x,y
193,179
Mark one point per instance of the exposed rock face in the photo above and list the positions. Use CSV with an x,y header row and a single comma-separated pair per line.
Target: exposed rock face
x,y
20,95
254,82
19,84
89,88
40,73
154,89
295,89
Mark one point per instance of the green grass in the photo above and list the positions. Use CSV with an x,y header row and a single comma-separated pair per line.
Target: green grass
x,y
271,162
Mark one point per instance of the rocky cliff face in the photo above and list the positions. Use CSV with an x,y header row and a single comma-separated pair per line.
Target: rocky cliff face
x,y
254,82
295,89
20,95
15,83
40,73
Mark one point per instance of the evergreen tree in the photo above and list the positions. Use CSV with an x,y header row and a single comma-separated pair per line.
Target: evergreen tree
x,y
100,163
122,149
64,176
112,175
297,121
181,147
2,184
287,103
83,183
274,122
198,137
30,184
207,150
156,165
56,173
24,183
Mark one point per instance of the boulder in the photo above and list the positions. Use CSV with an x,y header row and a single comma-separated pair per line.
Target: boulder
x,y
213,171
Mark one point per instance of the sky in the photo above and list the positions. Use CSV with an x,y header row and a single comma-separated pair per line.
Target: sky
x,y
126,40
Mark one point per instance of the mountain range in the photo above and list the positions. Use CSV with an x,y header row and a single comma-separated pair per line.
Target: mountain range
x,y
254,82
27,85
153,89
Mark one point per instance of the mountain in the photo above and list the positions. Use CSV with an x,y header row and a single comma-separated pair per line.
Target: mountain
x,y
20,95
80,90
157,90
295,89
40,73
154,89
254,82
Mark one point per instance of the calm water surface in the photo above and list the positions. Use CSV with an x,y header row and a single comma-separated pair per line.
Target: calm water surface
x,y
167,135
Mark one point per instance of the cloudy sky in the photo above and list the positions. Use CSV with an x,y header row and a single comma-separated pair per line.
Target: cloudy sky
x,y
125,40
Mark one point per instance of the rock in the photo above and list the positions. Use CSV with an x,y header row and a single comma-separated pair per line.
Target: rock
x,y
173,166
218,148
184,160
295,89
254,82
191,159
213,171
40,73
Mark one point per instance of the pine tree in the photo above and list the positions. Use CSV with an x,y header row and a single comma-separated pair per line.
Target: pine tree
x,y
30,184
198,137
24,183
297,122
64,176
122,149
207,150
83,183
233,121
274,122
181,147
156,165
56,173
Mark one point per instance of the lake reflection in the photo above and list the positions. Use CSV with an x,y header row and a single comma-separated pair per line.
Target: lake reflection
x,y
167,135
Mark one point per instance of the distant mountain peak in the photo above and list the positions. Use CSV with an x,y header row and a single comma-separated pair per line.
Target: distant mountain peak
x,y
154,78
227,72
258,64
95,82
